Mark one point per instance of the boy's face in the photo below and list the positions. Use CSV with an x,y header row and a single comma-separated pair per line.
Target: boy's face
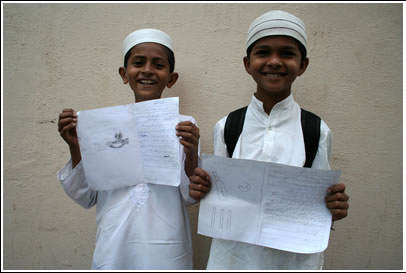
x,y
147,71
274,63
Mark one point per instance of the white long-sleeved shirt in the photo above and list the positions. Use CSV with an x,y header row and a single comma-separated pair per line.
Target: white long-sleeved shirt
x,y
277,138
144,227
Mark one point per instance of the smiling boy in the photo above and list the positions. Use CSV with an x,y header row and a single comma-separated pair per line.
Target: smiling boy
x,y
272,132
146,226
274,63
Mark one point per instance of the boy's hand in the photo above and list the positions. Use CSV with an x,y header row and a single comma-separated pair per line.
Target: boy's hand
x,y
189,138
200,184
337,201
67,129
190,135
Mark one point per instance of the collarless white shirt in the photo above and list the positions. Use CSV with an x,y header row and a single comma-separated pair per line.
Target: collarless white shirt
x,y
144,227
277,138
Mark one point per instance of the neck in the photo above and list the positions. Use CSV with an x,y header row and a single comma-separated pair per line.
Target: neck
x,y
269,101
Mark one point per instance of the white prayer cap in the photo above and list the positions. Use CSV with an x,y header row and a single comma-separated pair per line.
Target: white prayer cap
x,y
147,35
277,22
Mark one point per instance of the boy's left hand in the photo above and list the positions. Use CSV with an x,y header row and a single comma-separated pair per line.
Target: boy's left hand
x,y
189,138
190,135
337,201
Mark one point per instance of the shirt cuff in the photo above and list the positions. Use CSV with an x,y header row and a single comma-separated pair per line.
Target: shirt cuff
x,y
67,171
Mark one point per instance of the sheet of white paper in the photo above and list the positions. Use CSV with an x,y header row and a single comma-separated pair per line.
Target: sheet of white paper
x,y
155,122
267,204
130,144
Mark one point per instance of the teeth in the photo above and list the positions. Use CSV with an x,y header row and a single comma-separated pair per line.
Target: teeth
x,y
146,82
273,74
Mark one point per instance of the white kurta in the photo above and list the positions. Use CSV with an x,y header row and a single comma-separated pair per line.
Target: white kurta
x,y
277,138
138,227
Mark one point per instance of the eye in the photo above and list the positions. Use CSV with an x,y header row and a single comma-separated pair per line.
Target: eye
x,y
288,53
261,52
138,63
160,64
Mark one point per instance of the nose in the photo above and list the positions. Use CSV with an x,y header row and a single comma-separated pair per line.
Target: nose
x,y
274,61
147,68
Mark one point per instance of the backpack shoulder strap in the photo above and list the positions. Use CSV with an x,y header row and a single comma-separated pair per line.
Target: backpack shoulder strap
x,y
310,127
233,128
311,134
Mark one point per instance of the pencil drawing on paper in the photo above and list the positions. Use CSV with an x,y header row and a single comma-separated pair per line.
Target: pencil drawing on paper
x,y
220,187
119,142
244,187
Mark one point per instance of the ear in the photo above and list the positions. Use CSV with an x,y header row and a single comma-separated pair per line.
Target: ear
x,y
247,64
123,73
173,78
303,66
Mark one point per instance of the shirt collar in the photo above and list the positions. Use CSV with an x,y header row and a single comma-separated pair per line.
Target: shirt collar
x,y
284,104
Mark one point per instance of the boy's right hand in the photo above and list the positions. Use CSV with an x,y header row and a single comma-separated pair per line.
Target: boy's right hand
x,y
200,184
67,127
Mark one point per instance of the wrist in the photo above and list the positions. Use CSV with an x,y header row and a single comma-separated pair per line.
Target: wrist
x,y
75,155
191,163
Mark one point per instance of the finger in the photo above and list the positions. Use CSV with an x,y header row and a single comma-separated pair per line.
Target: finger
x,y
186,123
186,126
337,197
199,188
65,118
197,195
338,205
189,143
336,188
67,128
339,214
197,180
186,135
188,132
67,111
65,122
202,173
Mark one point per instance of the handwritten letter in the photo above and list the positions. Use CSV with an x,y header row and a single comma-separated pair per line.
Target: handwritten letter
x,y
130,144
267,204
155,123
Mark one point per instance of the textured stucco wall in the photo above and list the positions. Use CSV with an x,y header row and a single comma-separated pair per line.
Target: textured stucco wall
x,y
67,55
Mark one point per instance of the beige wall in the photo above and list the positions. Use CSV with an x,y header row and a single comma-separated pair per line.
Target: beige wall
x,y
67,55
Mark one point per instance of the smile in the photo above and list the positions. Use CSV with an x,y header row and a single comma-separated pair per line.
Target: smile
x,y
147,82
274,75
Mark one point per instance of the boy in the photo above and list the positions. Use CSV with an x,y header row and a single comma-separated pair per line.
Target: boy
x,y
144,226
272,131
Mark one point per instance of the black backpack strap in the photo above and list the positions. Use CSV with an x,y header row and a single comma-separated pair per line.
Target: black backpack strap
x,y
233,128
310,127
311,134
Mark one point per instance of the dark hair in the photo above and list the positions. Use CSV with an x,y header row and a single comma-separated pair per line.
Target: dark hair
x,y
302,49
171,58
